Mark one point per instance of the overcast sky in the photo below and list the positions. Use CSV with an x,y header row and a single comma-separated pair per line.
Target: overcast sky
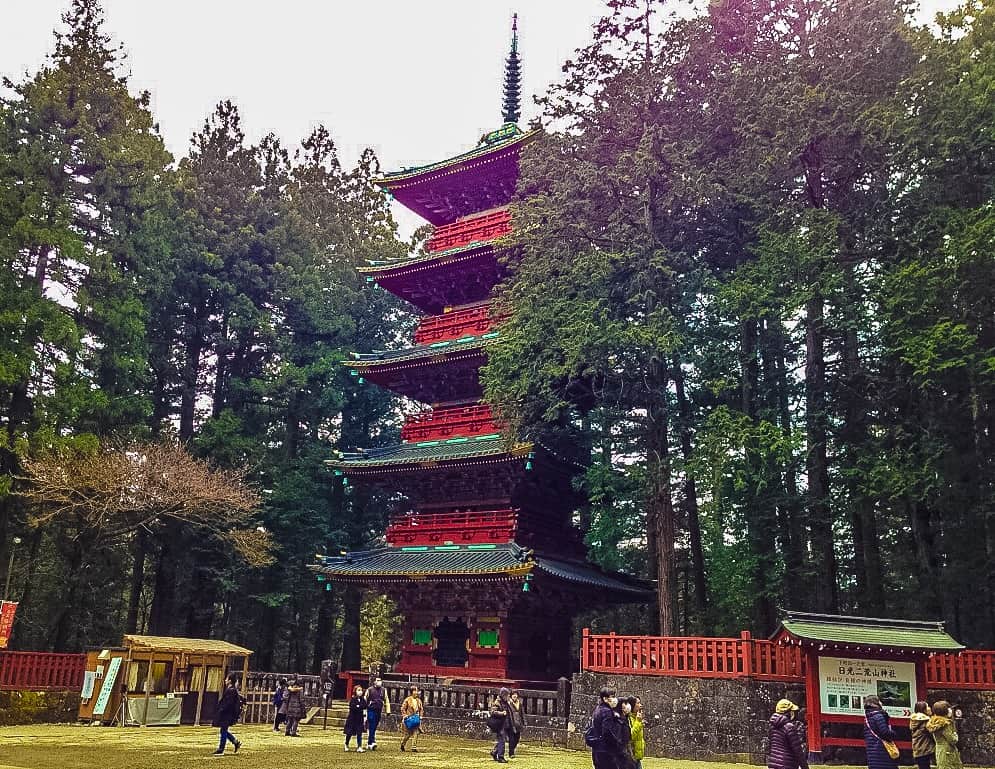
x,y
416,80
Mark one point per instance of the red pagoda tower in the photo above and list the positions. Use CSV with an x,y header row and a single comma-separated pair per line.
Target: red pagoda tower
x,y
486,566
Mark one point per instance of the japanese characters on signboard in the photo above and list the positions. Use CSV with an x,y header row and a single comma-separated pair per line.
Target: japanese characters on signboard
x,y
844,682
7,611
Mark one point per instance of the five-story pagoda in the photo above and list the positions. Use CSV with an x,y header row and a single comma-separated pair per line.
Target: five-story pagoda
x,y
486,566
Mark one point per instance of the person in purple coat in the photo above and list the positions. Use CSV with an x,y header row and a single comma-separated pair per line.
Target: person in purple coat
x,y
785,749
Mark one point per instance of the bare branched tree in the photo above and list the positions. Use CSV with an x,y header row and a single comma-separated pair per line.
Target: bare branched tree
x,y
111,493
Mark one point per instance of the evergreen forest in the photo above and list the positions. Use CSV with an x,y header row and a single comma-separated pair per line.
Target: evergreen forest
x,y
754,278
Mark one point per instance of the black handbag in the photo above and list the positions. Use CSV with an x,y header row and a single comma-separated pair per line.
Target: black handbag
x,y
495,723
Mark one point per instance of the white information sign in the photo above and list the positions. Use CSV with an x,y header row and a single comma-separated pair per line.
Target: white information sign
x,y
105,691
844,682
89,678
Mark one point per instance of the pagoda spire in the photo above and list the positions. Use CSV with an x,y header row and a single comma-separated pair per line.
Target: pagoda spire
x,y
512,104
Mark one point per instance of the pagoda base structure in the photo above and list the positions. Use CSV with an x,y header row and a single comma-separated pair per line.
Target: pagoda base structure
x,y
471,612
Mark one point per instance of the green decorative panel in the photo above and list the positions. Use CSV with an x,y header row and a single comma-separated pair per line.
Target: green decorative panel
x,y
487,639
421,637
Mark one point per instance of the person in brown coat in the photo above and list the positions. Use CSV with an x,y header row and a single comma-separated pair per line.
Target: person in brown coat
x,y
923,745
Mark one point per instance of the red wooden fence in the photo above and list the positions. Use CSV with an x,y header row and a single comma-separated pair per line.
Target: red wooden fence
x,y
747,657
41,671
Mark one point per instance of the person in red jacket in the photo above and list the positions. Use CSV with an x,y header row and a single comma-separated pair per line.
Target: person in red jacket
x,y
784,739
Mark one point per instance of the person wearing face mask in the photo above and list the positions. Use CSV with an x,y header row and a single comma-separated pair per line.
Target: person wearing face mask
x,y
785,743
604,736
637,738
625,759
377,703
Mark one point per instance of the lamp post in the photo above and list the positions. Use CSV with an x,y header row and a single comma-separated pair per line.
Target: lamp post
x,y
10,566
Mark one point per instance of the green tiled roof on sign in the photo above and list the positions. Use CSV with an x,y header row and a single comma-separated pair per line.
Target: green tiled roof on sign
x,y
869,632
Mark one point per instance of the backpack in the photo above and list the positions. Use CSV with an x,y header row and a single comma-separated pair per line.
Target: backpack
x,y
592,738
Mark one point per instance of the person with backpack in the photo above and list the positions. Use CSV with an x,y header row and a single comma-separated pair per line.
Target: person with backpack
x,y
923,744
227,713
279,698
784,741
354,721
497,722
377,703
295,707
604,736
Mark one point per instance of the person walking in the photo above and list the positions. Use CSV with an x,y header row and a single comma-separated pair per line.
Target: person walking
x,y
604,736
516,725
923,745
878,731
377,703
637,736
944,732
498,723
227,713
354,721
785,750
412,712
294,700
279,704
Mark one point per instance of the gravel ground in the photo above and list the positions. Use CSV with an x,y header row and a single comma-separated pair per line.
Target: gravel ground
x,y
85,747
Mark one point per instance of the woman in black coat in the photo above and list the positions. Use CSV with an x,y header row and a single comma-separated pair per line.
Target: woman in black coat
x,y
877,730
354,721
227,713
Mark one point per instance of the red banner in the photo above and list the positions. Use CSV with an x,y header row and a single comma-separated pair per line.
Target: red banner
x,y
7,611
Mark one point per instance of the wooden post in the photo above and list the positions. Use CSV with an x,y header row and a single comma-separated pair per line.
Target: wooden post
x,y
148,689
224,674
813,703
124,689
245,676
201,689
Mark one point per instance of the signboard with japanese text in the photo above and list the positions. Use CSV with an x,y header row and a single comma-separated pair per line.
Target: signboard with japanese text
x,y
845,681
7,611
108,687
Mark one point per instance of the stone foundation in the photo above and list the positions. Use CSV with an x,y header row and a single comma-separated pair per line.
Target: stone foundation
x,y
20,708
705,719
714,719
549,732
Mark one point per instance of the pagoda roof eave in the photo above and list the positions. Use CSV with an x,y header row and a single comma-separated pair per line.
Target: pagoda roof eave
x,y
428,454
481,151
398,267
423,353
461,562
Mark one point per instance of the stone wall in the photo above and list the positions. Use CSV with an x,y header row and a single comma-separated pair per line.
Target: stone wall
x,y
20,708
707,719
550,732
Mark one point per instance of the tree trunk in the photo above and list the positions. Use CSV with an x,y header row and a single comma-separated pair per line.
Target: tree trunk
x,y
164,593
699,578
137,582
660,506
352,602
825,593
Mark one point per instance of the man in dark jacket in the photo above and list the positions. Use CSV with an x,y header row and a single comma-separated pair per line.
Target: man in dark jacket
x,y
376,699
500,714
785,749
608,748
229,708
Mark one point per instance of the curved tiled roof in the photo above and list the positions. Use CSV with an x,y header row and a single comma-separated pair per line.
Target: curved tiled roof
x,y
868,632
463,344
480,151
453,561
453,449
431,260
